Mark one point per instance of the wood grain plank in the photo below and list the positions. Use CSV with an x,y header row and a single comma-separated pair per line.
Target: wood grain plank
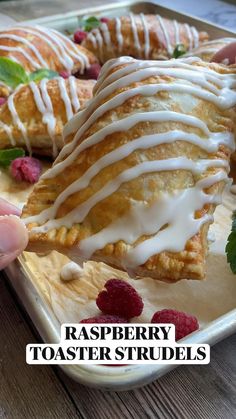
x,y
26,391
197,392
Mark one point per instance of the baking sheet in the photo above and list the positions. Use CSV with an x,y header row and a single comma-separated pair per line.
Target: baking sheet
x,y
49,301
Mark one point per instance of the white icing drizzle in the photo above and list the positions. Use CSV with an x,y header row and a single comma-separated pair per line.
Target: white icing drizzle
x,y
45,107
23,52
106,36
73,94
29,44
195,37
146,36
62,46
135,33
65,97
99,42
189,35
177,32
170,214
119,35
169,47
16,120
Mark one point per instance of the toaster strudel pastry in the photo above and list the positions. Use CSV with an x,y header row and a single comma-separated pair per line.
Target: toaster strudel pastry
x,y
142,170
33,117
208,49
141,36
39,47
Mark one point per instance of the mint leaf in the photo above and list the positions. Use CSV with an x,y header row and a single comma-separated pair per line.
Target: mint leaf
x,y
90,23
12,73
231,245
179,50
6,156
42,74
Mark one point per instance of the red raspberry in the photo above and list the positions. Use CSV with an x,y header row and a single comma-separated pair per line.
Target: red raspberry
x,y
26,169
184,323
64,74
2,100
103,318
79,36
93,71
120,299
104,19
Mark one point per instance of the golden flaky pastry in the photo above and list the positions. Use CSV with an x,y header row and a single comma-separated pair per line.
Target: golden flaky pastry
x,y
143,168
33,117
141,36
208,49
36,47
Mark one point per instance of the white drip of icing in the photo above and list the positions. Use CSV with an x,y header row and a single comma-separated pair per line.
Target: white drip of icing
x,y
146,36
170,215
106,36
177,32
16,119
119,35
195,37
73,94
169,47
135,33
189,35
65,97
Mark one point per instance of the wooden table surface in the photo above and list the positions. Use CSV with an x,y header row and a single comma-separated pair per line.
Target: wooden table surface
x,y
27,392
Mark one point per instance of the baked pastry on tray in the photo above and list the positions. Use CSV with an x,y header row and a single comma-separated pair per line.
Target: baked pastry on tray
x,y
142,171
36,47
141,36
33,117
208,49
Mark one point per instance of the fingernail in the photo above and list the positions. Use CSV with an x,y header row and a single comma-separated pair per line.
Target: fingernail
x,y
13,235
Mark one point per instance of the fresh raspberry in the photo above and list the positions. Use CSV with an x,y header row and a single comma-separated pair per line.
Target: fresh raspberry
x,y
64,74
2,100
79,36
26,169
184,323
104,19
93,71
120,299
103,318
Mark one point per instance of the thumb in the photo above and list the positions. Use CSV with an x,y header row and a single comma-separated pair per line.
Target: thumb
x,y
13,239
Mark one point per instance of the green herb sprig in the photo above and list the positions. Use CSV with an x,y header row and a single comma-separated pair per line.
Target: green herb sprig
x,y
179,51
8,155
13,74
90,23
231,245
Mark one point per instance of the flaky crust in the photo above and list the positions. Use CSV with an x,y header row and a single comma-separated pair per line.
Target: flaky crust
x,y
158,48
52,53
165,266
32,119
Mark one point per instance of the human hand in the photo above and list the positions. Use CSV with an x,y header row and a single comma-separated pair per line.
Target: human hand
x,y
13,234
226,54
